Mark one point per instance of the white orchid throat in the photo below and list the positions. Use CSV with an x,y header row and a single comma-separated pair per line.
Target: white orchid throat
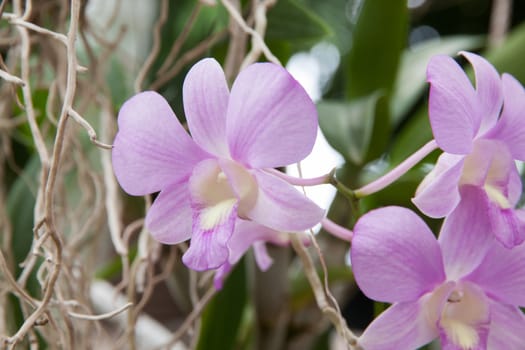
x,y
459,310
219,188
494,180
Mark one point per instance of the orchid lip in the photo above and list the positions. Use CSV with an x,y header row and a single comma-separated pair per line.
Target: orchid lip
x,y
458,309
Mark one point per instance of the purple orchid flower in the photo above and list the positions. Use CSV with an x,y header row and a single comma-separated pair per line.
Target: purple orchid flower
x,y
482,132
464,288
211,180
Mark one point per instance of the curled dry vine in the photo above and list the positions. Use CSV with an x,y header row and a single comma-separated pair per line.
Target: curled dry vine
x,y
77,207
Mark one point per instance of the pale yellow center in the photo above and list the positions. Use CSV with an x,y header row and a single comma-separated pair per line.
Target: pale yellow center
x,y
491,180
219,193
464,309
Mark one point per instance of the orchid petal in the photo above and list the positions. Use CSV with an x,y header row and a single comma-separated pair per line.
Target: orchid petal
x,y
263,259
501,274
220,275
402,327
246,234
169,218
395,257
281,207
514,186
438,193
507,327
206,94
452,106
465,318
489,163
488,89
507,224
208,247
271,121
214,208
511,125
151,149
466,236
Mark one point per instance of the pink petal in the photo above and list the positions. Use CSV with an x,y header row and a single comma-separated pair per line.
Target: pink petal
x,y
511,126
208,247
453,108
466,236
464,323
246,234
206,94
514,186
490,163
507,327
438,193
488,89
263,259
403,326
508,225
271,121
281,207
501,274
151,149
169,218
220,275
395,257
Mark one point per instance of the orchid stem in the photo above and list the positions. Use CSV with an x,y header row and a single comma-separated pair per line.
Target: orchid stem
x,y
397,172
348,193
297,181
337,230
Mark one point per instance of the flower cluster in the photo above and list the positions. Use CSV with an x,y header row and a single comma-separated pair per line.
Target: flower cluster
x,y
218,187
465,288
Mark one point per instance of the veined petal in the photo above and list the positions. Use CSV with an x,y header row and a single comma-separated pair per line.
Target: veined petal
x,y
501,274
212,229
514,186
245,235
281,207
507,224
438,193
402,327
248,233
169,218
151,149
395,257
507,327
271,121
466,236
205,93
489,164
511,125
214,212
453,109
488,90
465,318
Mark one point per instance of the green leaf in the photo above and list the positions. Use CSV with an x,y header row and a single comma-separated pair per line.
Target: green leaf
x,y
509,56
411,79
294,26
221,320
348,126
20,208
372,63
336,15
378,40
